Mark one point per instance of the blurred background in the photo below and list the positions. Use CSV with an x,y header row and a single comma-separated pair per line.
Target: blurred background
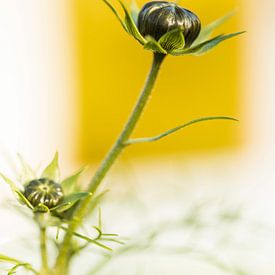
x,y
69,76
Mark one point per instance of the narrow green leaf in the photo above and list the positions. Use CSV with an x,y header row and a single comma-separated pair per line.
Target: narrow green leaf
x,y
205,46
14,269
134,10
153,45
70,200
171,131
69,185
207,31
173,39
89,240
52,170
16,191
27,173
112,240
131,26
116,14
4,258
7,259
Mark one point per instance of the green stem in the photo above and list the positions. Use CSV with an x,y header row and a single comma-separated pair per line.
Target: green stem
x,y
110,158
43,250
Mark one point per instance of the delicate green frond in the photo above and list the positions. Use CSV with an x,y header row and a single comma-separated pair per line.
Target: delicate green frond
x,y
173,39
52,170
14,269
131,26
153,45
70,200
112,240
171,131
116,14
134,10
69,185
27,172
89,240
205,46
18,263
207,31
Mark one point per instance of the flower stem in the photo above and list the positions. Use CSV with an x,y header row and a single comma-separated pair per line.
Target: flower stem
x,y
43,250
110,158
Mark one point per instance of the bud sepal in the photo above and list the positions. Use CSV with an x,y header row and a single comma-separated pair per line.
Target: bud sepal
x,y
177,40
44,194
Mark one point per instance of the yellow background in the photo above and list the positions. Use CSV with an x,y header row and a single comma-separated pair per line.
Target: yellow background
x,y
112,68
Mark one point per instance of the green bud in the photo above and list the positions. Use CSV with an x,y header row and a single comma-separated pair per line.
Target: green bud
x,y
160,17
43,191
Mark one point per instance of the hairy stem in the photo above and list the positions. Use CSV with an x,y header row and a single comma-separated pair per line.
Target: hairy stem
x,y
110,159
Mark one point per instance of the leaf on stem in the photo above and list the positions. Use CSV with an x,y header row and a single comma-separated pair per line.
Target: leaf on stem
x,y
173,130
52,170
18,263
89,240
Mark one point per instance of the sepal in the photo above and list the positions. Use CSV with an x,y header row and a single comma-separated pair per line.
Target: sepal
x,y
207,31
52,170
131,26
69,185
172,40
153,45
204,47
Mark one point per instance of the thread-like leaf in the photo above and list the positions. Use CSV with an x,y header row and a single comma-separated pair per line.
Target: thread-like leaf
x,y
52,170
89,240
173,130
207,31
18,263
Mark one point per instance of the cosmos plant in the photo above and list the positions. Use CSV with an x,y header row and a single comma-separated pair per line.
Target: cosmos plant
x,y
164,28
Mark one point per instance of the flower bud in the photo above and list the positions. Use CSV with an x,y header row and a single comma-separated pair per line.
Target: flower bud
x,y
43,191
159,17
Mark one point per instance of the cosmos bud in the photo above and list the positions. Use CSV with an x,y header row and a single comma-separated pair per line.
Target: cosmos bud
x,y
43,191
159,17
